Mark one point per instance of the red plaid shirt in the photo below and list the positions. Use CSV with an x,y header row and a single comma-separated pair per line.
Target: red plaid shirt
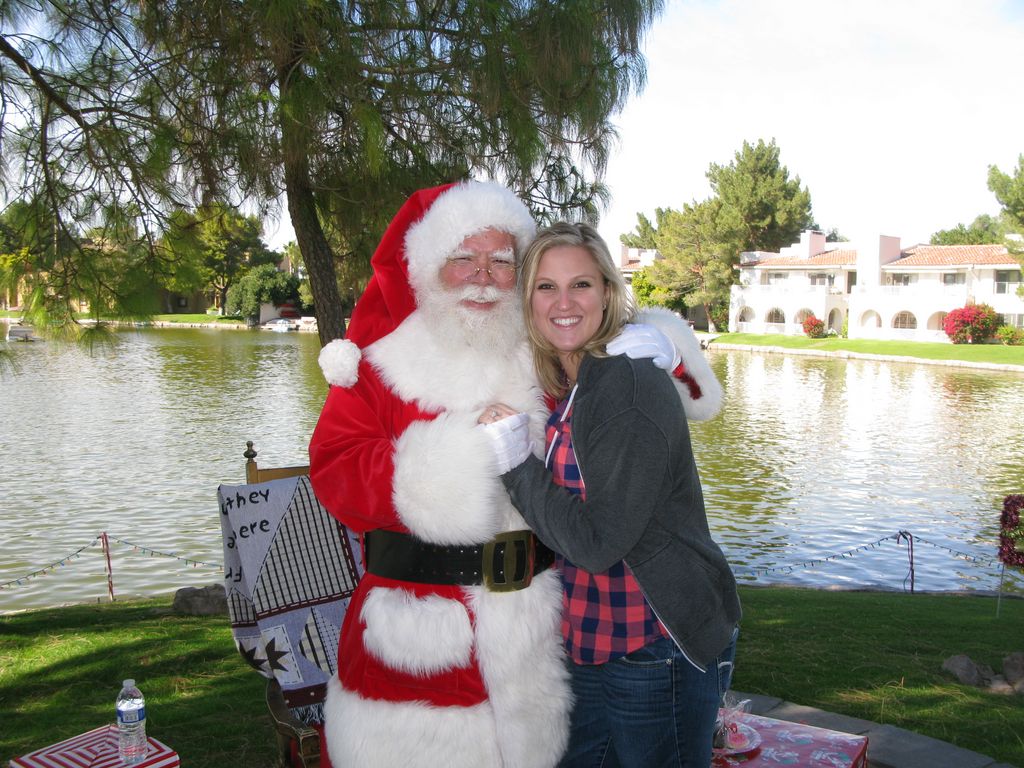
x,y
605,614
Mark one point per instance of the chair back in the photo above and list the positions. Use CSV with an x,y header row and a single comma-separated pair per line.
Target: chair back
x,y
255,474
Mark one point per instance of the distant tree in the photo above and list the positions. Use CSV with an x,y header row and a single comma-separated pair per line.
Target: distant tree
x,y
763,209
833,236
756,206
215,246
984,229
695,267
642,289
260,285
643,236
1009,191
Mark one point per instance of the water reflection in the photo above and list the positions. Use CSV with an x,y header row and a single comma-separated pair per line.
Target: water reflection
x,y
809,457
812,457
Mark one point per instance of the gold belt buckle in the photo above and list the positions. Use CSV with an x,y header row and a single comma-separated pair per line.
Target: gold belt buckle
x,y
509,539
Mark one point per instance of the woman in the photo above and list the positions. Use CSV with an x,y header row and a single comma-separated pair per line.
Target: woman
x,y
651,608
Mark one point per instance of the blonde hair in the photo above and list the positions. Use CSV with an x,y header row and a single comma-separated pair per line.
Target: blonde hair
x,y
617,313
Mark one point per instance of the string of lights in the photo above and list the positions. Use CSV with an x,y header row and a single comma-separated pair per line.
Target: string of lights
x,y
899,537
48,568
156,552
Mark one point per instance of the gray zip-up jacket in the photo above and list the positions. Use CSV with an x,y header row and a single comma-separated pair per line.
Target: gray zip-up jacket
x,y
643,504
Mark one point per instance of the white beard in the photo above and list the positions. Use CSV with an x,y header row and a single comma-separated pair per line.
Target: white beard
x,y
497,331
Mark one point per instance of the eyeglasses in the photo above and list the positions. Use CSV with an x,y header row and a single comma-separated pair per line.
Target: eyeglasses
x,y
501,270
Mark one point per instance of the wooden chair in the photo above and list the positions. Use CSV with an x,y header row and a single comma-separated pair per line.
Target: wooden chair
x,y
299,744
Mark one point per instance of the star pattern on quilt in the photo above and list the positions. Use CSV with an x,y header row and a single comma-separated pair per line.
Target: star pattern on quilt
x,y
250,656
274,656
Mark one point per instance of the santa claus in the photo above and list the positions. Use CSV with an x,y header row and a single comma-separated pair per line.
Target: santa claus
x,y
450,653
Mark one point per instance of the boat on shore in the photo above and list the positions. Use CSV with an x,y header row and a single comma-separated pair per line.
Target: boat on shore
x,y
19,332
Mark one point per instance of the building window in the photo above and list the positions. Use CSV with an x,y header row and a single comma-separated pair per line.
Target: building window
x,y
775,315
1007,280
777,278
851,281
746,314
822,278
954,278
904,320
899,278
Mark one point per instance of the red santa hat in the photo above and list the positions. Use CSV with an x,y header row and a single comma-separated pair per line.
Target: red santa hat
x,y
425,231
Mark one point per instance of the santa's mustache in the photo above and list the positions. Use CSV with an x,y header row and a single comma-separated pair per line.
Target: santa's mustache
x,y
481,293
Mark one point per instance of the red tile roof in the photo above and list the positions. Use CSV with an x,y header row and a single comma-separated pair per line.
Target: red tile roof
x,y
917,256
837,258
954,255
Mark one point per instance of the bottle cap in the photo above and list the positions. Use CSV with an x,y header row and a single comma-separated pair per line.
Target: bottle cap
x,y
128,683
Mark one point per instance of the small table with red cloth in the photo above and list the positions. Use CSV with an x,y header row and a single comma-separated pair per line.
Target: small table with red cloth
x,y
95,749
785,743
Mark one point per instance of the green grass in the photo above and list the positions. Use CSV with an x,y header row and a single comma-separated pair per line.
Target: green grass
x,y
975,353
61,669
871,655
200,317
878,656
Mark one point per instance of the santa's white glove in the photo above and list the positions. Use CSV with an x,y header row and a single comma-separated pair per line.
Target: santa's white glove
x,y
510,439
638,340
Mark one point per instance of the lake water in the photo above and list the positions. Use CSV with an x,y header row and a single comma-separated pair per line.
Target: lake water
x,y
809,459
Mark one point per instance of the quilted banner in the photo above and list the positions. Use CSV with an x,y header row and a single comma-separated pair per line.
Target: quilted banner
x,y
289,572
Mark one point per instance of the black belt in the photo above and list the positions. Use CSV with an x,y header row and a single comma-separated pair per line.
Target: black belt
x,y
506,563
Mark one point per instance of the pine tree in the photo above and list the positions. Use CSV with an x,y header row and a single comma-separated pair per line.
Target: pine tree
x,y
341,108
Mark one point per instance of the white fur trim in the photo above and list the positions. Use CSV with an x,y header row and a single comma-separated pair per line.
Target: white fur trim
x,y
419,635
339,361
682,335
519,650
370,733
459,212
446,487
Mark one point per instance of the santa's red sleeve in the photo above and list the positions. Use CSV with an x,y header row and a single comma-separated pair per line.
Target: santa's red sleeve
x,y
351,455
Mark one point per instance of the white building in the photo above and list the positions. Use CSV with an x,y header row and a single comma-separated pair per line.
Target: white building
x,y
880,290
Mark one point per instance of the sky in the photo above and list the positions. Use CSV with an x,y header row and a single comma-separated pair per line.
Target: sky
x,y
889,111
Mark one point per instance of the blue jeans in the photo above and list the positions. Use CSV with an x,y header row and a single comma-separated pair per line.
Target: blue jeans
x,y
649,709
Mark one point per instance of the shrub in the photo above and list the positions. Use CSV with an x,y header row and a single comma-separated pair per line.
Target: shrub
x,y
972,324
1010,336
814,327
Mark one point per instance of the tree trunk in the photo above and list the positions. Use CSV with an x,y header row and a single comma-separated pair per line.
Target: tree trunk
x,y
309,234
316,253
712,328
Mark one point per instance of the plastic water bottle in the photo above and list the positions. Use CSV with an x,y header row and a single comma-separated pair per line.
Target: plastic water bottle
x,y
131,724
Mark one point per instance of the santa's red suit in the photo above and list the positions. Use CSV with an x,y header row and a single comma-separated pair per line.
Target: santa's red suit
x,y
434,674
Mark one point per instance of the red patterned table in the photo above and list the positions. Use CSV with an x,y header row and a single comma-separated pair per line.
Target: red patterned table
x,y
785,743
95,749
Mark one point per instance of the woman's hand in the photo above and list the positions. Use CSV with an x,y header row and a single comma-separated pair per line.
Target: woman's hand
x,y
496,412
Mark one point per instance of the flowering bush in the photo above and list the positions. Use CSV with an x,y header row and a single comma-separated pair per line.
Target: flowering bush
x,y
1010,531
814,327
1010,336
973,324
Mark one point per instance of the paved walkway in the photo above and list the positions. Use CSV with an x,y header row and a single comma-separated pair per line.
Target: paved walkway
x,y
888,746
